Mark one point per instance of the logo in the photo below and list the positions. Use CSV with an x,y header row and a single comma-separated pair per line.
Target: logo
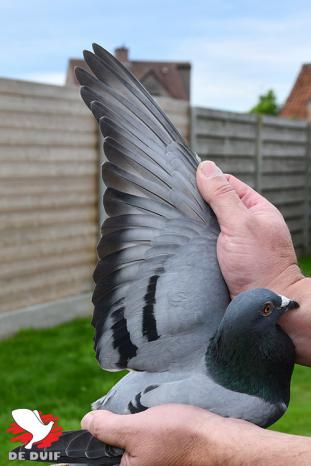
x,y
32,428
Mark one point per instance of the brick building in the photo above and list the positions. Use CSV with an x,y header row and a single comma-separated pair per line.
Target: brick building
x,y
298,103
160,78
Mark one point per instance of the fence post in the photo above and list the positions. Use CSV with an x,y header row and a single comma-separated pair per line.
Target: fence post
x,y
307,213
193,122
258,154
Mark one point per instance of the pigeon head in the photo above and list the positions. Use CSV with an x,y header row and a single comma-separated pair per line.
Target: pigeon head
x,y
256,310
249,352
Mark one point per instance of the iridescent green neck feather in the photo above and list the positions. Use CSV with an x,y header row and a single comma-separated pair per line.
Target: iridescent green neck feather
x,y
248,362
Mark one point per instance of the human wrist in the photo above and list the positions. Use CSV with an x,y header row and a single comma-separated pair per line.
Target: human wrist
x,y
228,443
297,324
243,445
284,282
233,442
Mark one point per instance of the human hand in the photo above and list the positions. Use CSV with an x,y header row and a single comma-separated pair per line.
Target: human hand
x,y
169,435
254,248
181,435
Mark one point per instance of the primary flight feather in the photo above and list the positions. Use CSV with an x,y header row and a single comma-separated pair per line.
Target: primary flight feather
x,y
162,308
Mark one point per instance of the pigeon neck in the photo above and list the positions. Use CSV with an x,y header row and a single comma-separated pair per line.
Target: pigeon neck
x,y
252,364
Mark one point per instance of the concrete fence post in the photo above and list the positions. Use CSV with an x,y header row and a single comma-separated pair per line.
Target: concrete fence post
x,y
307,196
258,154
193,123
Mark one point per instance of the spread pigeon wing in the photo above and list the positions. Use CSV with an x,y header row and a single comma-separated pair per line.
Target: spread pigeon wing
x,y
159,293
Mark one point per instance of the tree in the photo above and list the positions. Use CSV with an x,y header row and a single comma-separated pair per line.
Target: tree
x,y
267,104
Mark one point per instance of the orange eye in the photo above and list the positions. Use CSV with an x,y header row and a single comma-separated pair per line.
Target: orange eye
x,y
267,309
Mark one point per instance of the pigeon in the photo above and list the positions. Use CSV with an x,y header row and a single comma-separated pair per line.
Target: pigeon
x,y
162,309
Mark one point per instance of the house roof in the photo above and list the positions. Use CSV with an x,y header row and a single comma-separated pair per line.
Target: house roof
x,y
169,75
296,105
173,77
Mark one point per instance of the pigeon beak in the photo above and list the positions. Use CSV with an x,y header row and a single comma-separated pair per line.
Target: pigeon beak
x,y
292,305
288,305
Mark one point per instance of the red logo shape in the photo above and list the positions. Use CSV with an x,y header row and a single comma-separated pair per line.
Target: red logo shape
x,y
28,432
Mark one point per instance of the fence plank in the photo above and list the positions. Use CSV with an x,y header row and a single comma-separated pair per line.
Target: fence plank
x,y
40,122
46,201
30,236
16,154
27,137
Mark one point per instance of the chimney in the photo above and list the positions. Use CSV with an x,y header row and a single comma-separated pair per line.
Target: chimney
x,y
122,54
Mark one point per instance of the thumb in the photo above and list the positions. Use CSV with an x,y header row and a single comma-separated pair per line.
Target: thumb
x,y
220,195
108,427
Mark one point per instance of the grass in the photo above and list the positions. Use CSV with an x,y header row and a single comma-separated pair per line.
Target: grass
x,y
305,264
41,369
52,370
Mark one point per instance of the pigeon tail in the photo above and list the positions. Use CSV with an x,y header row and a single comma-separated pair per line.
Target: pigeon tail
x,y
77,446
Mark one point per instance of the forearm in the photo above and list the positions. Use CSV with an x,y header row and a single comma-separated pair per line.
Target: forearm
x,y
239,443
275,449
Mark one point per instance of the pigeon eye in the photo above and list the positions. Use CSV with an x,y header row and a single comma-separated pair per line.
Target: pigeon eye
x,y
267,309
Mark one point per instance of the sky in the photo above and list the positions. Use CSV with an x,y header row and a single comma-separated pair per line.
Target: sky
x,y
238,49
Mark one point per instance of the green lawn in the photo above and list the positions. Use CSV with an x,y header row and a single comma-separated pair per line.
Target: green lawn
x,y
41,369
305,264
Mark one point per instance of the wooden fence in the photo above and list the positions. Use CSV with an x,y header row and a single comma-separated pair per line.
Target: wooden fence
x,y
271,154
48,186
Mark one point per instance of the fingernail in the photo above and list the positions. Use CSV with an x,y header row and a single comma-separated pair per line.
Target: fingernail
x,y
210,169
86,420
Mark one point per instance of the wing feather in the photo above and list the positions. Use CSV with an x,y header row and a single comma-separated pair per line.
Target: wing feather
x,y
159,293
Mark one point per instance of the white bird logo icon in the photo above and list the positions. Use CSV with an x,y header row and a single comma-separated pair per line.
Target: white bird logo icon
x,y
32,423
